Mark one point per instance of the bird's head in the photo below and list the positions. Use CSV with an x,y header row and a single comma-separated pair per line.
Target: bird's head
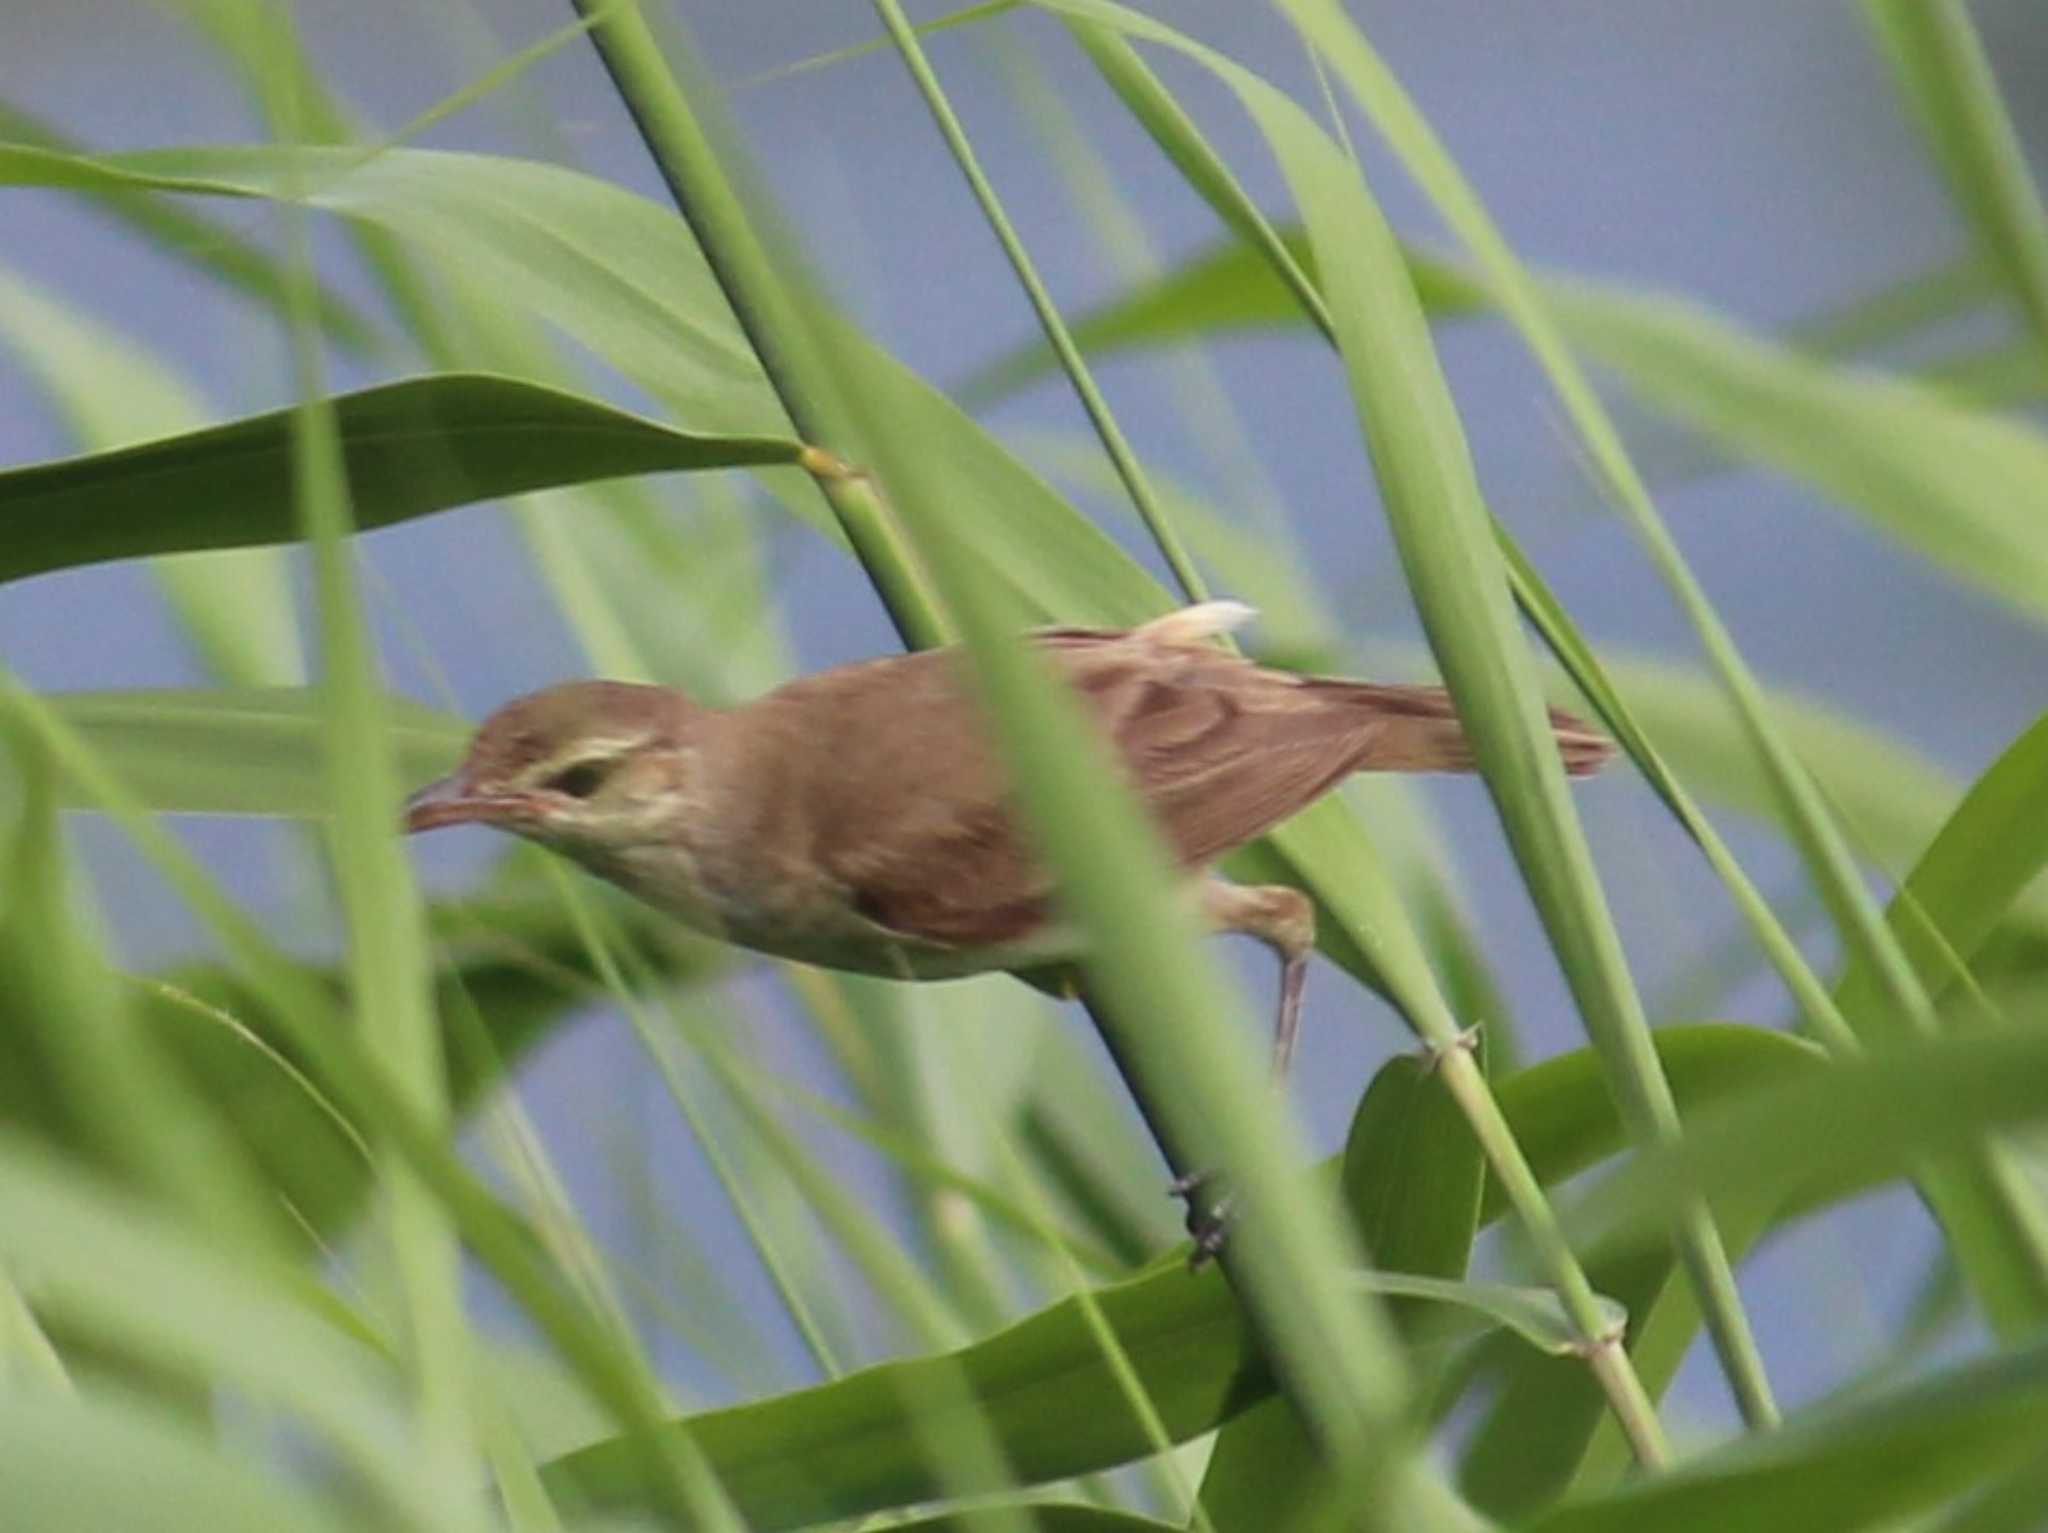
x,y
583,767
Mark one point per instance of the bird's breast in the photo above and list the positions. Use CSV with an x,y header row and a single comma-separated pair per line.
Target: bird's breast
x,y
794,913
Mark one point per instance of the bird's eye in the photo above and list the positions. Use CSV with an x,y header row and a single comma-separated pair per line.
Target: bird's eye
x,y
579,780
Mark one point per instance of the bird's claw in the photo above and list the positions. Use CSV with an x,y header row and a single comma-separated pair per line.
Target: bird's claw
x,y
1208,1221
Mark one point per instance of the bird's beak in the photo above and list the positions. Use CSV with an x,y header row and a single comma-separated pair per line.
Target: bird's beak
x,y
447,801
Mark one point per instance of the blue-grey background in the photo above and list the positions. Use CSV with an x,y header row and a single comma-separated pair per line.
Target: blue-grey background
x,y
1749,154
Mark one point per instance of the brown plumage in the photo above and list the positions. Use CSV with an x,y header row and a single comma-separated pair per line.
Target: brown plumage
x,y
913,818
860,818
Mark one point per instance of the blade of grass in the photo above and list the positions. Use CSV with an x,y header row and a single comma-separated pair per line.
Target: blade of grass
x,y
235,751
924,1166
1941,68
1198,397
386,938
1997,1222
1044,1516
140,1278
1114,444
965,16
28,1360
1425,453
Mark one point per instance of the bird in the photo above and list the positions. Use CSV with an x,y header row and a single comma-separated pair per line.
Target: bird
x,y
860,818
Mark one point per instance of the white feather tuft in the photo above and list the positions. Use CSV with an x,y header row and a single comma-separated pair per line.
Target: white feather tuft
x,y
1193,624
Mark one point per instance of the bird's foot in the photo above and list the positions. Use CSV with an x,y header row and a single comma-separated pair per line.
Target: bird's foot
x,y
1209,1213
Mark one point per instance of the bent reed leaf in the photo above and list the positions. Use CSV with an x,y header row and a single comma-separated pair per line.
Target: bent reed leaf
x,y
410,448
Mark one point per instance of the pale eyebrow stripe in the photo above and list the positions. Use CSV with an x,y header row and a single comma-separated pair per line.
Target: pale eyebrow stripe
x,y
591,752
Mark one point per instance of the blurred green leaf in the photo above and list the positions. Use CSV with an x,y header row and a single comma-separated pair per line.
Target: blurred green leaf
x,y
1411,1177
73,1059
1554,1106
1818,1136
1942,68
126,1274
617,271
2011,1505
1548,1426
216,249
1963,488
1222,288
966,16
1546,1430
509,961
1868,1465
1041,1517
1047,1393
1042,1387
110,391
1413,1173
106,387
246,750
1985,857
1535,1316
56,1459
1890,792
1960,486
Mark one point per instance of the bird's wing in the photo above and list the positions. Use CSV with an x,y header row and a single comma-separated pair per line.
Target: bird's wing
x,y
916,822
1222,749
910,811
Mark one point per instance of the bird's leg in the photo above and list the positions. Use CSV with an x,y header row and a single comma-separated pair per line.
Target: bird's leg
x,y
1285,921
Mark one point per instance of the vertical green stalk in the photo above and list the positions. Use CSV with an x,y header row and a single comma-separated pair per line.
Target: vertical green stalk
x,y
1128,469
695,175
1195,1077
1463,594
1337,1357
1412,458
1235,474
1993,1216
387,954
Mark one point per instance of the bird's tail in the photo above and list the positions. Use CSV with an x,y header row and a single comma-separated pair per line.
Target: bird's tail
x,y
1415,729
1418,731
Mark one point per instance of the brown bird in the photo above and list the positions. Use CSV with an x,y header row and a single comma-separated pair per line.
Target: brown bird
x,y
861,819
